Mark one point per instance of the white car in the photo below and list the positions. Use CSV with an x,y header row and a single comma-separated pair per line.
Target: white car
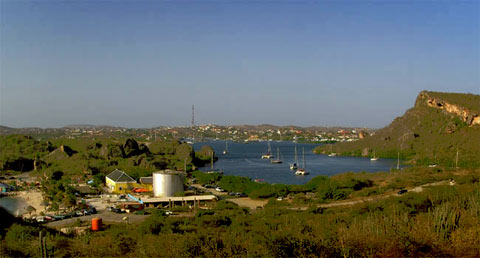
x,y
168,212
218,189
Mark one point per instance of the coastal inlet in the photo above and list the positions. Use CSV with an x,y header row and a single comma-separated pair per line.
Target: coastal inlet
x,y
245,160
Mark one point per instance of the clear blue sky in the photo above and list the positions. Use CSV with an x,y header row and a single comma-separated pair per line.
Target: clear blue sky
x,y
143,64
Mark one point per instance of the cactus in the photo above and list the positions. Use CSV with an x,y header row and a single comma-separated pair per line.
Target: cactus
x,y
446,219
44,252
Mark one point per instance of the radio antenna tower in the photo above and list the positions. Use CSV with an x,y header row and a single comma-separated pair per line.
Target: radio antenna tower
x,y
193,123
193,115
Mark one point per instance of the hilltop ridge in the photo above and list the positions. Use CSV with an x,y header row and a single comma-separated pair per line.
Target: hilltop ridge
x,y
465,106
439,125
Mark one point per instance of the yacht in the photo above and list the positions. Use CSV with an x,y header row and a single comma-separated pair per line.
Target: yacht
x,y
268,155
278,160
332,154
302,171
226,148
294,165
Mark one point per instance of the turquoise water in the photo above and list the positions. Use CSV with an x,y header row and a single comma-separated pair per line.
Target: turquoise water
x,y
245,160
12,204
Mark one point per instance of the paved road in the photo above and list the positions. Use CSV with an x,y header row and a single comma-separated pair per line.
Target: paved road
x,y
211,190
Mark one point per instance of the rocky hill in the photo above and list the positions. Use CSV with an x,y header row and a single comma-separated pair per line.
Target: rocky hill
x,y
432,132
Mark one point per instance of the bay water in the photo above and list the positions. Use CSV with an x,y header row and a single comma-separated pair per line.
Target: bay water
x,y
245,160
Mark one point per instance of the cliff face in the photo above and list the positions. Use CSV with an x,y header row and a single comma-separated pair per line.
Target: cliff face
x,y
468,116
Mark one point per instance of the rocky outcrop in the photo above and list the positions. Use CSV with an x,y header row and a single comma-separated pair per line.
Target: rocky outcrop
x,y
127,150
365,152
131,148
469,117
361,135
69,151
112,151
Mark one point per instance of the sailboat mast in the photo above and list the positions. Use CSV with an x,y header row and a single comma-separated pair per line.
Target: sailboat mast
x,y
398,160
296,157
303,155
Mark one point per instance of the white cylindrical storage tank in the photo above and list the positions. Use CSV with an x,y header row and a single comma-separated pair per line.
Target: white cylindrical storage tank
x,y
167,183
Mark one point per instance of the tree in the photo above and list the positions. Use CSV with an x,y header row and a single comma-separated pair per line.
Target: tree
x,y
69,200
30,209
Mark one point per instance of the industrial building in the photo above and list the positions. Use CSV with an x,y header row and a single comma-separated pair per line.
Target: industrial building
x,y
167,183
145,185
166,186
191,201
120,182
163,183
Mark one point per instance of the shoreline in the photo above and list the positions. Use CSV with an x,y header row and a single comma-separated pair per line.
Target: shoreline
x,y
22,199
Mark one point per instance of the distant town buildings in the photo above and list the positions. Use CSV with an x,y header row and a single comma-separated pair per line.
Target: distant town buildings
x,y
242,133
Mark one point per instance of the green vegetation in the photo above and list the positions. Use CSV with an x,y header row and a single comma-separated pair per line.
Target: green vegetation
x,y
424,136
335,188
348,215
85,158
19,152
440,221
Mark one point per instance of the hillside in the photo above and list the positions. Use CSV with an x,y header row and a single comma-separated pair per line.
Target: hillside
x,y
429,133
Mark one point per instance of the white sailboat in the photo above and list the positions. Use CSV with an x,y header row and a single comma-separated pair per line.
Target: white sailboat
x,y
268,155
278,160
332,154
302,171
435,163
211,166
374,158
294,166
226,148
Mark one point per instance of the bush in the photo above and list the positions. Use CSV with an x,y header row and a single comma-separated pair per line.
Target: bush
x,y
206,178
18,232
154,224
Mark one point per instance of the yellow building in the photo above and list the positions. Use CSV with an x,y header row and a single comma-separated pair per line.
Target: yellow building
x,y
119,182
146,183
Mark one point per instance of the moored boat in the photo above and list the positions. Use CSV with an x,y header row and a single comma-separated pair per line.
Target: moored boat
x,y
268,155
302,171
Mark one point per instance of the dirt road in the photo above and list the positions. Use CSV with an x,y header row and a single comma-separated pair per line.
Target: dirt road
x,y
249,202
242,202
374,198
107,217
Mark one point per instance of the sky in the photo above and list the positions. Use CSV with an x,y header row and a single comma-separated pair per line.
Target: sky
x,y
143,64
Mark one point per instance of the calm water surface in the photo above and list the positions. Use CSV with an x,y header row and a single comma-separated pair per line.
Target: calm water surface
x,y
245,160
12,204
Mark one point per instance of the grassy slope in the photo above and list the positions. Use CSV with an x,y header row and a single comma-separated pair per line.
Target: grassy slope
x,y
421,135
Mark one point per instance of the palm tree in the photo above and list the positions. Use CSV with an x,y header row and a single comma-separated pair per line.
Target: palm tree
x,y
30,209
